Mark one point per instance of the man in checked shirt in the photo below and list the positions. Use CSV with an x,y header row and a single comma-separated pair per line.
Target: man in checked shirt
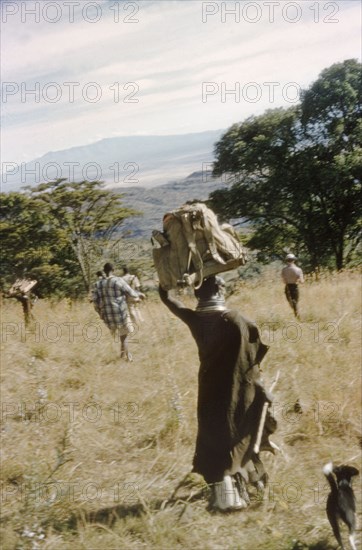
x,y
110,301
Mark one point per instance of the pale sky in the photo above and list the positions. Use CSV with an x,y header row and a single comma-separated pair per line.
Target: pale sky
x,y
108,68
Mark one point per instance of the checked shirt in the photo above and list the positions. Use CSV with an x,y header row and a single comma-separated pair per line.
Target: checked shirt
x,y
109,298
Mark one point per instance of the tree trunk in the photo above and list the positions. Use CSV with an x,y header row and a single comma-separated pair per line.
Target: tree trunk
x,y
78,248
339,258
339,253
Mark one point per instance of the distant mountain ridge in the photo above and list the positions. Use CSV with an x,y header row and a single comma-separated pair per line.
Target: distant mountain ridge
x,y
122,162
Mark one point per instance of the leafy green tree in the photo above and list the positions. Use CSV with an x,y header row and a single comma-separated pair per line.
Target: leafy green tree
x,y
87,217
30,245
57,232
295,173
331,116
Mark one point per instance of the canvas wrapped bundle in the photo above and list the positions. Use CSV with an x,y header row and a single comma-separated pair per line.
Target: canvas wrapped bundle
x,y
194,246
22,286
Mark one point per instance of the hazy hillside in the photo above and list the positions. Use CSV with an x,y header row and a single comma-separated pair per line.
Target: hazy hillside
x,y
155,201
93,448
122,161
163,172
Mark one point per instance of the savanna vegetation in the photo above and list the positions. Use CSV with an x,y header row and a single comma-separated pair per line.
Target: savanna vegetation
x,y
93,449
58,233
294,176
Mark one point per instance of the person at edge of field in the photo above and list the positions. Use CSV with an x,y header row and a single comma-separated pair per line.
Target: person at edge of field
x,y
231,396
292,275
110,301
21,291
133,307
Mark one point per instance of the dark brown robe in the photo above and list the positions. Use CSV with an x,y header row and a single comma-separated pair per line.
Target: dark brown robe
x,y
230,394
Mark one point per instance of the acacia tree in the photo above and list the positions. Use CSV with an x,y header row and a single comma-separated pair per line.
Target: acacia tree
x,y
87,217
295,173
57,231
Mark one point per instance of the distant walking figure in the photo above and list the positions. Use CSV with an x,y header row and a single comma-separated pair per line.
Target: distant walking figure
x,y
292,276
21,292
231,396
134,283
109,298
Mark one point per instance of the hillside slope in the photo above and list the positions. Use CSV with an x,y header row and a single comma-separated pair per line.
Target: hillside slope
x,y
93,448
154,202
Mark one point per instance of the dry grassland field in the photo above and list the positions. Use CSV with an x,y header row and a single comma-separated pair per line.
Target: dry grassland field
x,y
93,448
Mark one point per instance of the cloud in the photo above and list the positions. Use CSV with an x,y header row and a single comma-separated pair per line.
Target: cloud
x,y
163,60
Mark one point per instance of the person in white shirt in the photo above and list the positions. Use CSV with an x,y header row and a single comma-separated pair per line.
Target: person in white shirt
x,y
292,276
133,307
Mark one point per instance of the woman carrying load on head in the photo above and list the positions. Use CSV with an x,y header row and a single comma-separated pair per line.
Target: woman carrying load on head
x,y
110,301
231,396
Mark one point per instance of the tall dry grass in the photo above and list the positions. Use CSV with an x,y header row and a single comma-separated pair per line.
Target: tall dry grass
x,y
93,448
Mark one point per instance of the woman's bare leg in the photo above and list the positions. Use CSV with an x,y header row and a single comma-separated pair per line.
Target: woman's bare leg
x,y
124,348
